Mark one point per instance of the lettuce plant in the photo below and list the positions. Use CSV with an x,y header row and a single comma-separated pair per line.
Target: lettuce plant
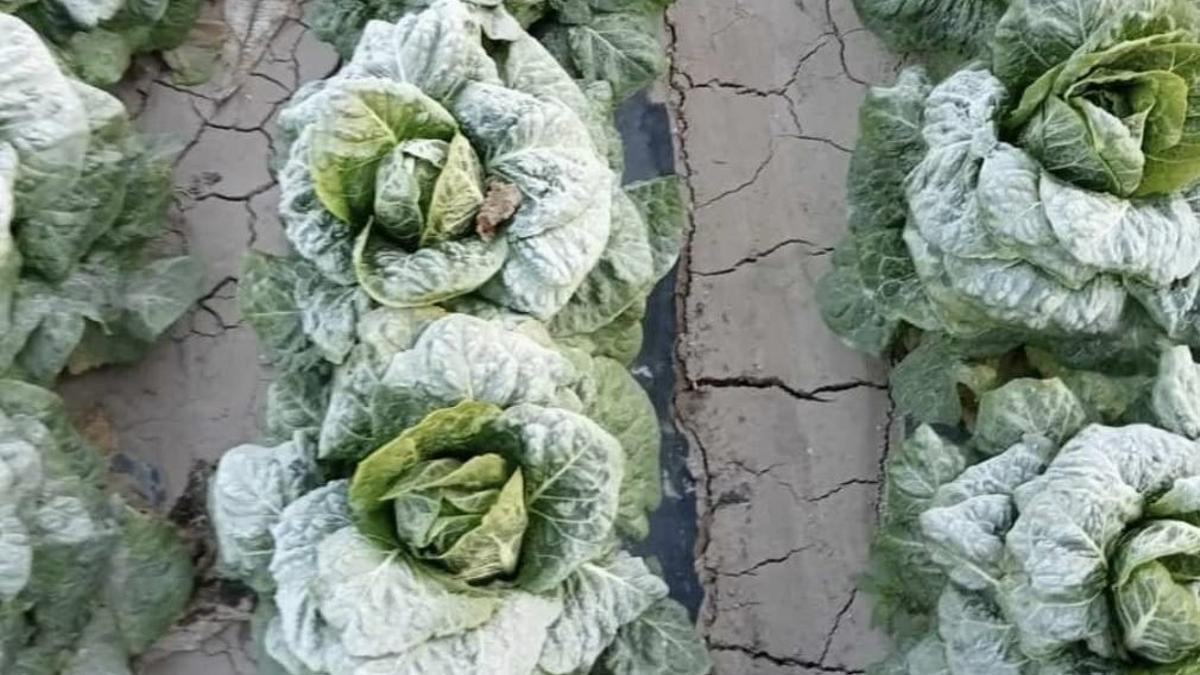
x,y
81,194
1047,542
453,506
613,42
431,170
86,579
350,408
97,40
1045,194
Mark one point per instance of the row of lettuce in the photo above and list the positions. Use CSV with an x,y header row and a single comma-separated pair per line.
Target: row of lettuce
x,y
88,576
460,452
457,453
1024,242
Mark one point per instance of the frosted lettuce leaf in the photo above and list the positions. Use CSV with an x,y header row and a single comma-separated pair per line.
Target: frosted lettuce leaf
x,y
661,640
252,486
392,616
848,307
296,403
890,146
620,405
620,340
575,469
267,301
149,579
297,637
643,245
1046,408
913,473
873,285
598,599
975,637
1176,393
931,381
618,43
962,525
301,318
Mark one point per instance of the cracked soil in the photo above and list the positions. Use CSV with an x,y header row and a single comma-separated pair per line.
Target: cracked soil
x,y
788,428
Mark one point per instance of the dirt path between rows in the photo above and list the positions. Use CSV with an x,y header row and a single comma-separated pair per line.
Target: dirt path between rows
x,y
788,427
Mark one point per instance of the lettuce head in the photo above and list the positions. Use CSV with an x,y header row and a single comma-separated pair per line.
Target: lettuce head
x,y
1047,541
453,504
1045,193
440,167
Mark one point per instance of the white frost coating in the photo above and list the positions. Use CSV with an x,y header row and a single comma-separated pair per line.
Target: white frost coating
x,y
16,553
301,527
89,13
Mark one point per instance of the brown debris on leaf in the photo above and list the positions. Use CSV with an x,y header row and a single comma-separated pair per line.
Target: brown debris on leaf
x,y
499,204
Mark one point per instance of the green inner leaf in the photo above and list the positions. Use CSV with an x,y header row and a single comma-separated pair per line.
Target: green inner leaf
x,y
362,122
1116,120
449,492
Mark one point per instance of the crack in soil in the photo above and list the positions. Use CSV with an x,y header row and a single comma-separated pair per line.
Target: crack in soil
x,y
837,622
759,255
775,382
839,487
766,562
763,655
